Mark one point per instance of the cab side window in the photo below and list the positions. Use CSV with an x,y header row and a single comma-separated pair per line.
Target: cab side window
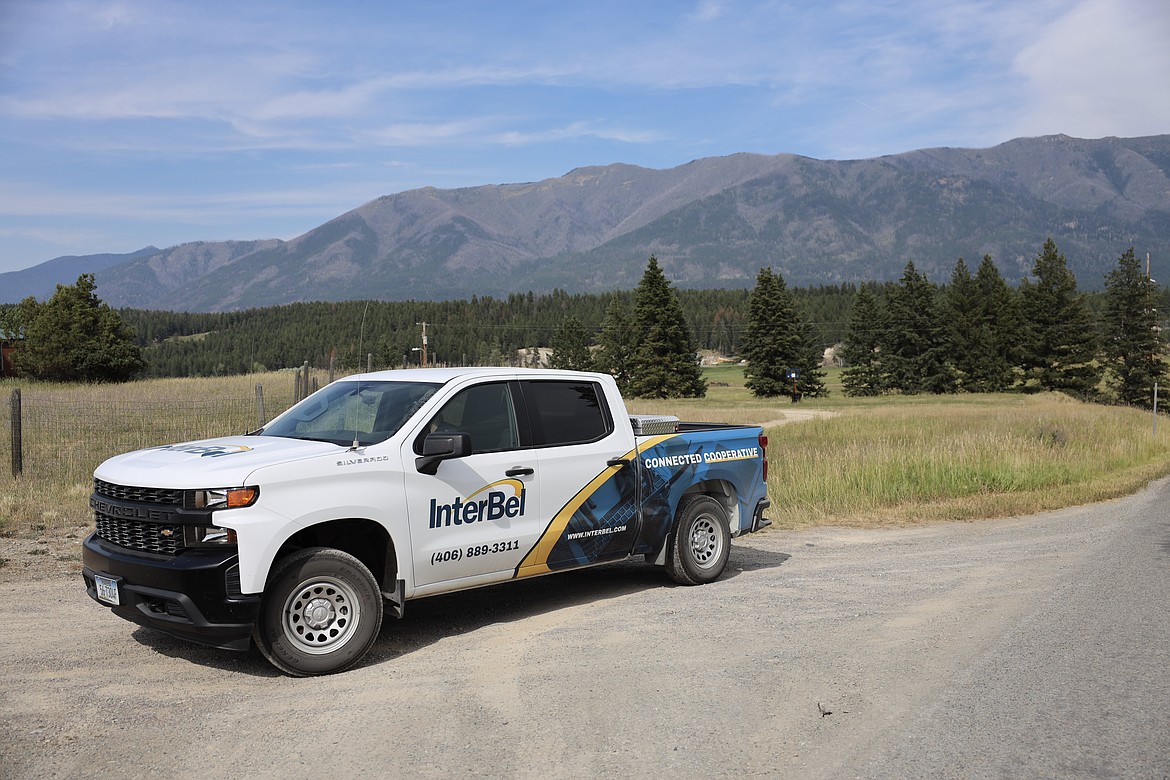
x,y
566,412
483,411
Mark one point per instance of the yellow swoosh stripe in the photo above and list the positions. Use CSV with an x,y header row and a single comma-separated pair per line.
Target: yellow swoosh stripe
x,y
536,562
516,484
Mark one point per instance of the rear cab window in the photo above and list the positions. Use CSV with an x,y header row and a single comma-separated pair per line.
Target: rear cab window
x,y
566,412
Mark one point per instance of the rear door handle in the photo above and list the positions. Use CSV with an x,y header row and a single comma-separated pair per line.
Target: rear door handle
x,y
520,471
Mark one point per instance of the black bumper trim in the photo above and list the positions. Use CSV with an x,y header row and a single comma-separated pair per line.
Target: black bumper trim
x,y
184,596
760,522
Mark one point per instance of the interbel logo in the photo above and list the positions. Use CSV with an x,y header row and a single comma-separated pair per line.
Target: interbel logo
x,y
207,450
496,504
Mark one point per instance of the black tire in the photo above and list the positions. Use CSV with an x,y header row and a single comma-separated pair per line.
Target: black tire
x,y
321,613
701,542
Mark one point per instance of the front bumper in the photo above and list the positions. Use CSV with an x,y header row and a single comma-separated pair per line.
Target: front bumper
x,y
194,595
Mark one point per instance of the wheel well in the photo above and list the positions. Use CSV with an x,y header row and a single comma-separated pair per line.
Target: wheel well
x,y
364,539
724,492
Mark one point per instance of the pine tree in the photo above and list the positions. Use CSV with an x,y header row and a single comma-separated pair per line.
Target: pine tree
x,y
968,340
1059,342
616,343
570,346
1130,347
770,344
914,343
665,362
999,311
73,336
863,374
978,314
809,363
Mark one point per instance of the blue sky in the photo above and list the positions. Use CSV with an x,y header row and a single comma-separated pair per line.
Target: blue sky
x,y
138,122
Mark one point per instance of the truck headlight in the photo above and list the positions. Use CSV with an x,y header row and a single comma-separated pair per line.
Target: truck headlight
x,y
225,498
208,536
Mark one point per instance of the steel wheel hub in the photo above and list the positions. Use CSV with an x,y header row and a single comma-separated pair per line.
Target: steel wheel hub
x,y
704,541
321,615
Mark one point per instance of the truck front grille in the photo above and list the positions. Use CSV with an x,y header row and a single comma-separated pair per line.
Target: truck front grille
x,y
141,535
156,538
144,495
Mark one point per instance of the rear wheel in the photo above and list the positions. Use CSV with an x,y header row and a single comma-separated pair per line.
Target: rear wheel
x,y
322,612
701,542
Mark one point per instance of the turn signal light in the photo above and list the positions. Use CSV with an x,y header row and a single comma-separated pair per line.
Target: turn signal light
x,y
245,496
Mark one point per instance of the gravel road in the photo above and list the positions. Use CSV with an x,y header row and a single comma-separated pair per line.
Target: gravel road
x,y
1026,647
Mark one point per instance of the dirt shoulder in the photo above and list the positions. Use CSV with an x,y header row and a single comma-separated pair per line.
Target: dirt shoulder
x,y
615,672
50,554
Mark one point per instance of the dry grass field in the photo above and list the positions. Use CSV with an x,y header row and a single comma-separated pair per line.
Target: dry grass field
x,y
902,460
884,461
67,430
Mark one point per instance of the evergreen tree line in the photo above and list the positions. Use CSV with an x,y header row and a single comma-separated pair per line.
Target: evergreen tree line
x,y
978,334
975,334
479,331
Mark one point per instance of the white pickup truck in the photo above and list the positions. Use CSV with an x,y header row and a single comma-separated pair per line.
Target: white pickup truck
x,y
395,485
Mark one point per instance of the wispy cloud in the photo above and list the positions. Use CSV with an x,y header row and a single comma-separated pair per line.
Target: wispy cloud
x,y
706,11
1103,68
184,207
136,112
579,130
429,134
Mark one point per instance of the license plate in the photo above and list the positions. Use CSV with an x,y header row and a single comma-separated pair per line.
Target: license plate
x,y
107,589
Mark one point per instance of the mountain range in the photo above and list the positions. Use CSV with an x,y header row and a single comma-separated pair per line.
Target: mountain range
x,y
713,222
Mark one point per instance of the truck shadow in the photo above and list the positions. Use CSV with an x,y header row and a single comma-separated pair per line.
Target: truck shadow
x,y
431,619
250,662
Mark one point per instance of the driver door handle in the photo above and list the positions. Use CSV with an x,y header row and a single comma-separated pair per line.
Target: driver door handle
x,y
520,471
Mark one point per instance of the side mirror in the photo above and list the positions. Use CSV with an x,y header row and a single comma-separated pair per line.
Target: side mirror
x,y
438,447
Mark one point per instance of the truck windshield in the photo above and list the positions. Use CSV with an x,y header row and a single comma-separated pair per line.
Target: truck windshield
x,y
345,412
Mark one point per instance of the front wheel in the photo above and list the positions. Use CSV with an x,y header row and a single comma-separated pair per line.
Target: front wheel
x,y
701,542
321,613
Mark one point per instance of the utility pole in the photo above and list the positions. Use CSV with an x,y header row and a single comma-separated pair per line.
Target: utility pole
x,y
1149,281
424,343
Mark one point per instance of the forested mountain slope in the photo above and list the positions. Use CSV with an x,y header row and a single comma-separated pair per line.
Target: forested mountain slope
x,y
711,223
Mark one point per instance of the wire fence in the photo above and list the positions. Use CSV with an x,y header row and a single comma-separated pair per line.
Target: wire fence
x,y
52,439
62,442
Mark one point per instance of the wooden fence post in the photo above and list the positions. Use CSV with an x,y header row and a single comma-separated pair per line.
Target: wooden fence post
x,y
17,437
260,419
